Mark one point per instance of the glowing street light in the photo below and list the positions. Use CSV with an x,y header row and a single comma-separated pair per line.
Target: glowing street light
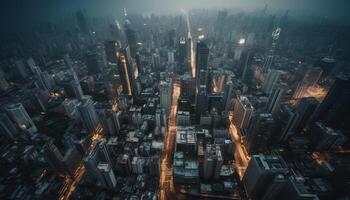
x,y
241,41
201,37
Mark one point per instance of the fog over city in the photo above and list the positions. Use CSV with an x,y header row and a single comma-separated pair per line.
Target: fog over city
x,y
15,13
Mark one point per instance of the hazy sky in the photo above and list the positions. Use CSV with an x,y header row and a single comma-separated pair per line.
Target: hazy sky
x,y
20,12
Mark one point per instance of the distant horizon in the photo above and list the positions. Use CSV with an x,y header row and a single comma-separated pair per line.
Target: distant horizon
x,y
16,14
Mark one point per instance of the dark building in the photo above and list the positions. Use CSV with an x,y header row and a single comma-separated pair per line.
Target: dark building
x,y
324,138
111,48
261,173
82,23
130,37
7,127
182,56
260,133
286,118
245,70
202,55
334,111
55,159
96,60
305,108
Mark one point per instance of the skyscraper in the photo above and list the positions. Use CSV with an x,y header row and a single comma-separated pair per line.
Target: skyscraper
x,y
261,172
276,98
155,61
213,160
247,73
7,127
131,37
111,50
335,108
75,84
126,70
244,111
201,100
181,55
202,55
3,83
228,95
55,159
165,91
82,23
20,116
270,80
325,138
99,165
286,118
260,133
96,59
305,108
107,177
310,78
88,113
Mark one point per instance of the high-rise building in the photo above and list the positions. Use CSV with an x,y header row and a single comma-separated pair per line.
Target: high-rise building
x,y
182,55
244,111
261,172
183,118
327,65
116,120
82,23
276,98
70,108
171,55
270,80
3,82
247,74
228,90
260,133
155,61
21,69
55,159
165,91
239,49
74,83
111,48
137,165
305,108
186,140
72,160
126,71
124,164
130,37
295,188
21,118
107,177
334,111
88,113
213,160
324,138
188,87
7,127
268,63
286,118
99,165
310,78
154,165
201,100
202,55
96,59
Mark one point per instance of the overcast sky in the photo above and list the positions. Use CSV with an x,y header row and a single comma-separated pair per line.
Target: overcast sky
x,y
20,12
